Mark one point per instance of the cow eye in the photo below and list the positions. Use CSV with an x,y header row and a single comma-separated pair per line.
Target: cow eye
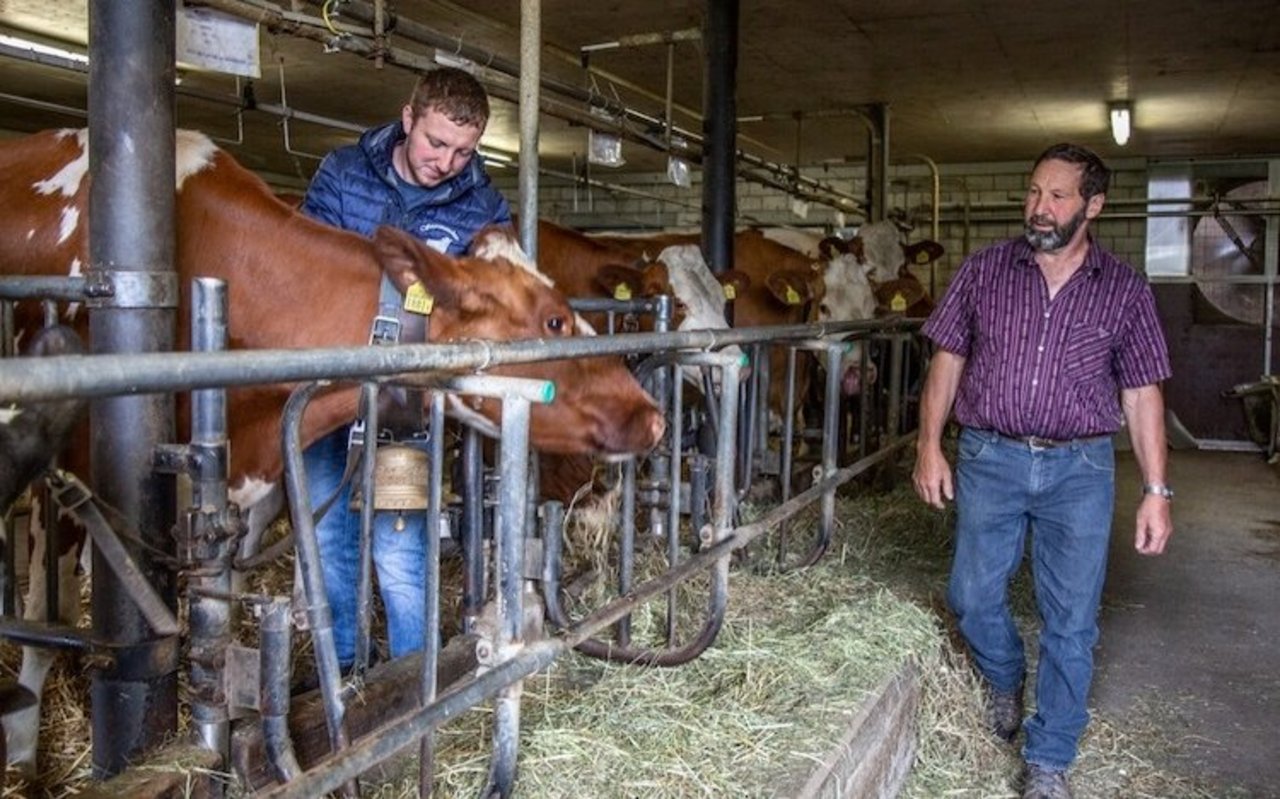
x,y
555,324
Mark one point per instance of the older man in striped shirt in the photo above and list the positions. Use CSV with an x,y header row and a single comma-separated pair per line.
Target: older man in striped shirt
x,y
1045,344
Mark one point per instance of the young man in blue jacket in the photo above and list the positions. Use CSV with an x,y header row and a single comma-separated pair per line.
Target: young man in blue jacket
x,y
420,173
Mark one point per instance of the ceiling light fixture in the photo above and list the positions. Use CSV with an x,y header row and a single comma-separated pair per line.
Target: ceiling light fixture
x,y
35,50
1121,121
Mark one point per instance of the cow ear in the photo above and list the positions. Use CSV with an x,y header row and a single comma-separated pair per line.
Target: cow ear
x,y
896,296
655,279
620,281
817,283
858,249
923,252
406,260
790,286
832,246
734,283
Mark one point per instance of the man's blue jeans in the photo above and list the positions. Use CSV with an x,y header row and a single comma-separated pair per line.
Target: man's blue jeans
x,y
1065,497
398,555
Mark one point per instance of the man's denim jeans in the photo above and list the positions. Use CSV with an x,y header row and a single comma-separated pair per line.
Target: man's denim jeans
x,y
397,555
1064,496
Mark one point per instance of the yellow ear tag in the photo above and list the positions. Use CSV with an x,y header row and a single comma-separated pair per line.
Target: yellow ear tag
x,y
730,291
922,257
898,303
622,292
793,296
418,300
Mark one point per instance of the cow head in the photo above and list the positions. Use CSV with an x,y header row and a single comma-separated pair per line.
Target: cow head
x,y
599,408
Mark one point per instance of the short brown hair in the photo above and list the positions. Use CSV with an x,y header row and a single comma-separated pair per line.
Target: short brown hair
x,y
453,92
1095,178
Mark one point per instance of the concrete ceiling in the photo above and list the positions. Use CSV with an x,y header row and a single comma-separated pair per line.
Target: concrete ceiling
x,y
964,80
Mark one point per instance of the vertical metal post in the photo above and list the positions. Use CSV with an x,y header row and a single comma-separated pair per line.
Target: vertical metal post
x,y
725,499
274,657
431,608
627,546
719,132
675,435
209,608
530,74
830,420
509,545
893,422
319,616
473,578
878,162
131,202
786,447
368,499
1271,268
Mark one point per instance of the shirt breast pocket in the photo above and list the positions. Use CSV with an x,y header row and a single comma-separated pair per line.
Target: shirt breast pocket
x,y
1088,353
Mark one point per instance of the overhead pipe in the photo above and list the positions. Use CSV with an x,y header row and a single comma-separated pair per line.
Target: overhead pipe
x,y
276,18
302,26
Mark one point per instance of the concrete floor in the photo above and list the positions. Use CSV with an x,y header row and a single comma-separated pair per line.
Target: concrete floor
x,y
1191,639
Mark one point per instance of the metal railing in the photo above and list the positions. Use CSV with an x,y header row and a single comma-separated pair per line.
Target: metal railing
x,y
507,657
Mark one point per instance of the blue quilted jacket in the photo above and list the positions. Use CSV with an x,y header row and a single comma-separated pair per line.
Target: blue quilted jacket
x,y
356,188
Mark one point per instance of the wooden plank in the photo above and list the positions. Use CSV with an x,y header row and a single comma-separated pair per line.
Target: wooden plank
x,y
180,771
391,689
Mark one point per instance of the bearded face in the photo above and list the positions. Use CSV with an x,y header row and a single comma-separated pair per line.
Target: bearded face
x,y
1045,234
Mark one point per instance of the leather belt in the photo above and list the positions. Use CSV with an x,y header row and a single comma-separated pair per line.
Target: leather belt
x,y
1036,442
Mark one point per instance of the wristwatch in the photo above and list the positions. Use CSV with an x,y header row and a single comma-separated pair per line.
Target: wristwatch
x,y
1159,489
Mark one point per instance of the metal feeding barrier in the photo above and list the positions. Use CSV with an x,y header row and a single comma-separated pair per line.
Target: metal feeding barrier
x,y
721,454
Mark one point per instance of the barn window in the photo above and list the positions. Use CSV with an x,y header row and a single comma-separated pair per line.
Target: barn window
x,y
1168,232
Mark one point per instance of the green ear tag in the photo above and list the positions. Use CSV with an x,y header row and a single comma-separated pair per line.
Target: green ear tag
x,y
922,257
418,300
793,296
730,291
622,292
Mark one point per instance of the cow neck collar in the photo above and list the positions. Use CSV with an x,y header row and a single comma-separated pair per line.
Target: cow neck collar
x,y
393,324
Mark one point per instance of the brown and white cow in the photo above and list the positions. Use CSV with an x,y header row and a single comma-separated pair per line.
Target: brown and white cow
x,y
296,283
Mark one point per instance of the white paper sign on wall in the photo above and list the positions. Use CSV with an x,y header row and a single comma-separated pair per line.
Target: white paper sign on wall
x,y
208,39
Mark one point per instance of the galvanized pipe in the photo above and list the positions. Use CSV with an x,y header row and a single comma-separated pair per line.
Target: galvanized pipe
x,y
274,653
431,609
675,433
319,616
62,376
509,555
893,419
209,609
529,115
63,289
131,202
473,575
368,493
626,545
786,447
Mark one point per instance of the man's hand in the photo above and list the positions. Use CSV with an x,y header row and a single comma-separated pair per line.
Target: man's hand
x,y
932,476
1155,525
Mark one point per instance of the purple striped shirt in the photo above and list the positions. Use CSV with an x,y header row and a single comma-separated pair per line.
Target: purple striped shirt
x,y
1041,367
